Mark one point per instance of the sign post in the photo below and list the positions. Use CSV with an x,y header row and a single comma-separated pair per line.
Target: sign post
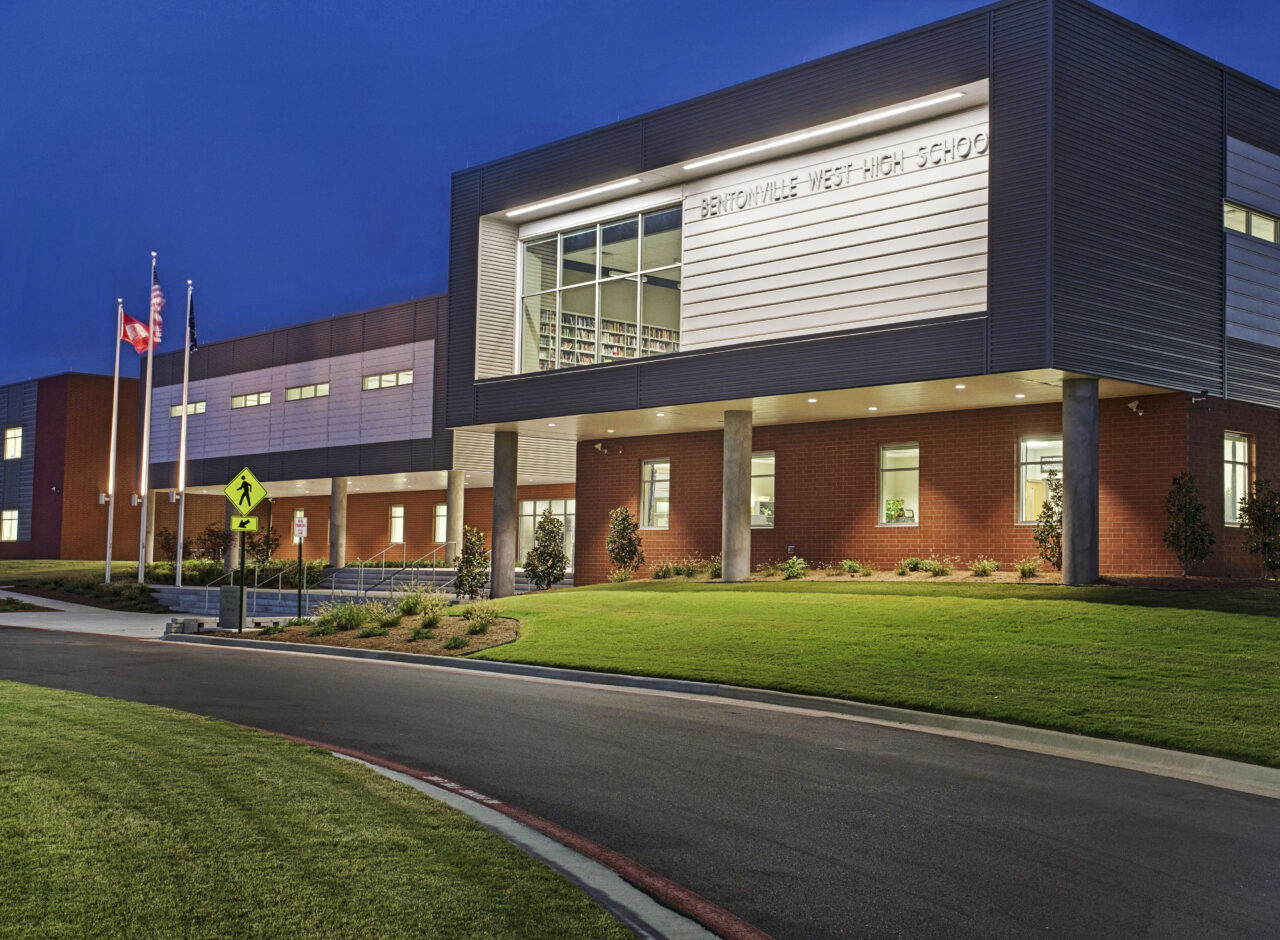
x,y
299,535
244,492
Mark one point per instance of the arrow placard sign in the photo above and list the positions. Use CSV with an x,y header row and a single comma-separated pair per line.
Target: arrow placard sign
x,y
244,523
244,492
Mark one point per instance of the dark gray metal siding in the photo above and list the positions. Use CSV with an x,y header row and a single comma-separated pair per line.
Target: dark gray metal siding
x,y
1253,372
464,259
1137,171
1020,184
17,477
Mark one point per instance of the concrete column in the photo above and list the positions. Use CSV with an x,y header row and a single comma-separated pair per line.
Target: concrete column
x,y
502,575
152,498
1079,481
338,522
455,496
735,526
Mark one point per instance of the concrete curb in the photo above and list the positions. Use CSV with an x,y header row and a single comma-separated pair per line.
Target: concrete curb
x,y
1196,768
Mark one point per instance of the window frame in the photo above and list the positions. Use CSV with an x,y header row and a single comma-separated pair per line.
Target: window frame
x,y
193,408
1228,465
10,438
259,399
772,515
647,482
318,390
393,519
881,470
10,520
1250,214
527,509
381,380
1021,482
440,524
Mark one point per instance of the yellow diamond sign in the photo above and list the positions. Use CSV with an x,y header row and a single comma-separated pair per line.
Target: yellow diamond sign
x,y
245,492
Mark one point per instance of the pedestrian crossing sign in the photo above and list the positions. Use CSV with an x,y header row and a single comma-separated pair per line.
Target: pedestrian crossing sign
x,y
244,492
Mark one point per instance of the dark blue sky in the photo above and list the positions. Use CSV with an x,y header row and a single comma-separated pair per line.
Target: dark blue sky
x,y
293,158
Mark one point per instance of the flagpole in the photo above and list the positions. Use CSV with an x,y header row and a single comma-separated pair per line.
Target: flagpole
x,y
145,496
182,442
115,408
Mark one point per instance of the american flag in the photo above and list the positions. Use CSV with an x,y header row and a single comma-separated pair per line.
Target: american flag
x,y
157,303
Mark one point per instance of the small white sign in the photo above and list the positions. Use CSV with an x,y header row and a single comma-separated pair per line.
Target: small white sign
x,y
300,527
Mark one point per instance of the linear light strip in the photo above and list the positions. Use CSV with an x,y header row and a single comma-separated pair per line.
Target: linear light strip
x,y
560,200
808,135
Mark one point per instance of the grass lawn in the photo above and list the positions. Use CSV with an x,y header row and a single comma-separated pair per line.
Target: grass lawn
x,y
1194,670
118,819
80,582
25,570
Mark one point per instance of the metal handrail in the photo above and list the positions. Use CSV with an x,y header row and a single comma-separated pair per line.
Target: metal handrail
x,y
209,587
405,566
279,576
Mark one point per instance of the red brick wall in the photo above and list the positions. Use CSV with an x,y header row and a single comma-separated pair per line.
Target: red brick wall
x,y
827,488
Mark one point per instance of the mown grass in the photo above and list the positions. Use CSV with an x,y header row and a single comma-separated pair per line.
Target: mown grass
x,y
80,582
1194,670
127,820
27,569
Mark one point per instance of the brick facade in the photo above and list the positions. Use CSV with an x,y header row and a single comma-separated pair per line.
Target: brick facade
x,y
827,486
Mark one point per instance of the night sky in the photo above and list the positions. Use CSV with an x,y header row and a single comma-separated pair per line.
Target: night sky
x,y
293,158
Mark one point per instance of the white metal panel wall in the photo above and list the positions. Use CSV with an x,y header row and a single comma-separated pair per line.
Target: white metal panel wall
x,y
496,313
348,415
473,450
1253,265
851,248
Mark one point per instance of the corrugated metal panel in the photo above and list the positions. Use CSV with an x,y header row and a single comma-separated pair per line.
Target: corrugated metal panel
x,y
1253,372
1253,290
1137,231
389,326
871,76
219,359
1253,176
464,235
934,349
346,335
496,309
1253,112
1018,250
309,341
17,477
570,391
473,450
252,352
562,166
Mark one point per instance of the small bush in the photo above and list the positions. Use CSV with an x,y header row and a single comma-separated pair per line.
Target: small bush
x,y
422,633
473,566
299,622
619,575
902,570
382,615
626,551
456,643
547,561
769,568
867,569
480,616
793,568
983,567
849,566
1028,567
271,629
938,567
322,629
912,564
714,568
433,607
372,630
666,569
1260,521
1048,529
1188,536
341,616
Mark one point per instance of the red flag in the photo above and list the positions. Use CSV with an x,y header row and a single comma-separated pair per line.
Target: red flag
x,y
157,304
134,332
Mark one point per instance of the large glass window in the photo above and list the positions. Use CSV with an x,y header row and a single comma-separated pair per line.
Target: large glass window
x,y
1036,457
440,523
900,484
252,400
9,525
388,379
1235,475
655,494
762,491
602,293
531,511
12,443
299,392
397,525
1249,221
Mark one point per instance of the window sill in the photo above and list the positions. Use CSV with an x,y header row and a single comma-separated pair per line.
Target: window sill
x,y
897,525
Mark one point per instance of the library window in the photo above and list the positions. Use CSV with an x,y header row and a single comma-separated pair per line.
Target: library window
x,y
601,293
762,491
531,511
252,400
441,525
193,408
397,525
12,443
1235,475
1238,218
300,392
900,484
298,514
9,525
1037,456
388,379
655,494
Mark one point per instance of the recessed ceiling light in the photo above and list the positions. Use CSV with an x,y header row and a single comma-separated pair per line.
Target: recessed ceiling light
x,y
1019,395
873,408
609,431
960,386
813,401
662,414
551,424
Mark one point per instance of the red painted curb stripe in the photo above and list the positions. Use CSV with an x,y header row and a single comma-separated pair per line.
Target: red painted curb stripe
x,y
678,898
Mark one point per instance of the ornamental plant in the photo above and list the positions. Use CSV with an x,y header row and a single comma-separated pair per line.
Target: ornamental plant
x,y
1260,520
1188,536
1048,530
626,553
473,566
546,562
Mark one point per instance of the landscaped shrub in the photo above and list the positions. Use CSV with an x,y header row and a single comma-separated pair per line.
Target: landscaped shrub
x,y
686,568
473,566
429,603
626,552
480,616
271,629
546,562
1028,567
212,543
382,615
422,633
1188,536
372,630
298,622
166,546
715,569
902,570
911,564
456,643
1260,520
322,629
261,546
663,570
793,568
849,566
619,575
867,569
341,616
1048,530
983,567
769,568
938,567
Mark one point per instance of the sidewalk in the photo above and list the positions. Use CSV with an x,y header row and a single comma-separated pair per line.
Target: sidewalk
x,y
79,618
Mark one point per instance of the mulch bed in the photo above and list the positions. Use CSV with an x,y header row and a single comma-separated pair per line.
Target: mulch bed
x,y
398,638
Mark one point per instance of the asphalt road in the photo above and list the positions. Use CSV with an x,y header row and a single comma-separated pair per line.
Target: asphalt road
x,y
807,827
